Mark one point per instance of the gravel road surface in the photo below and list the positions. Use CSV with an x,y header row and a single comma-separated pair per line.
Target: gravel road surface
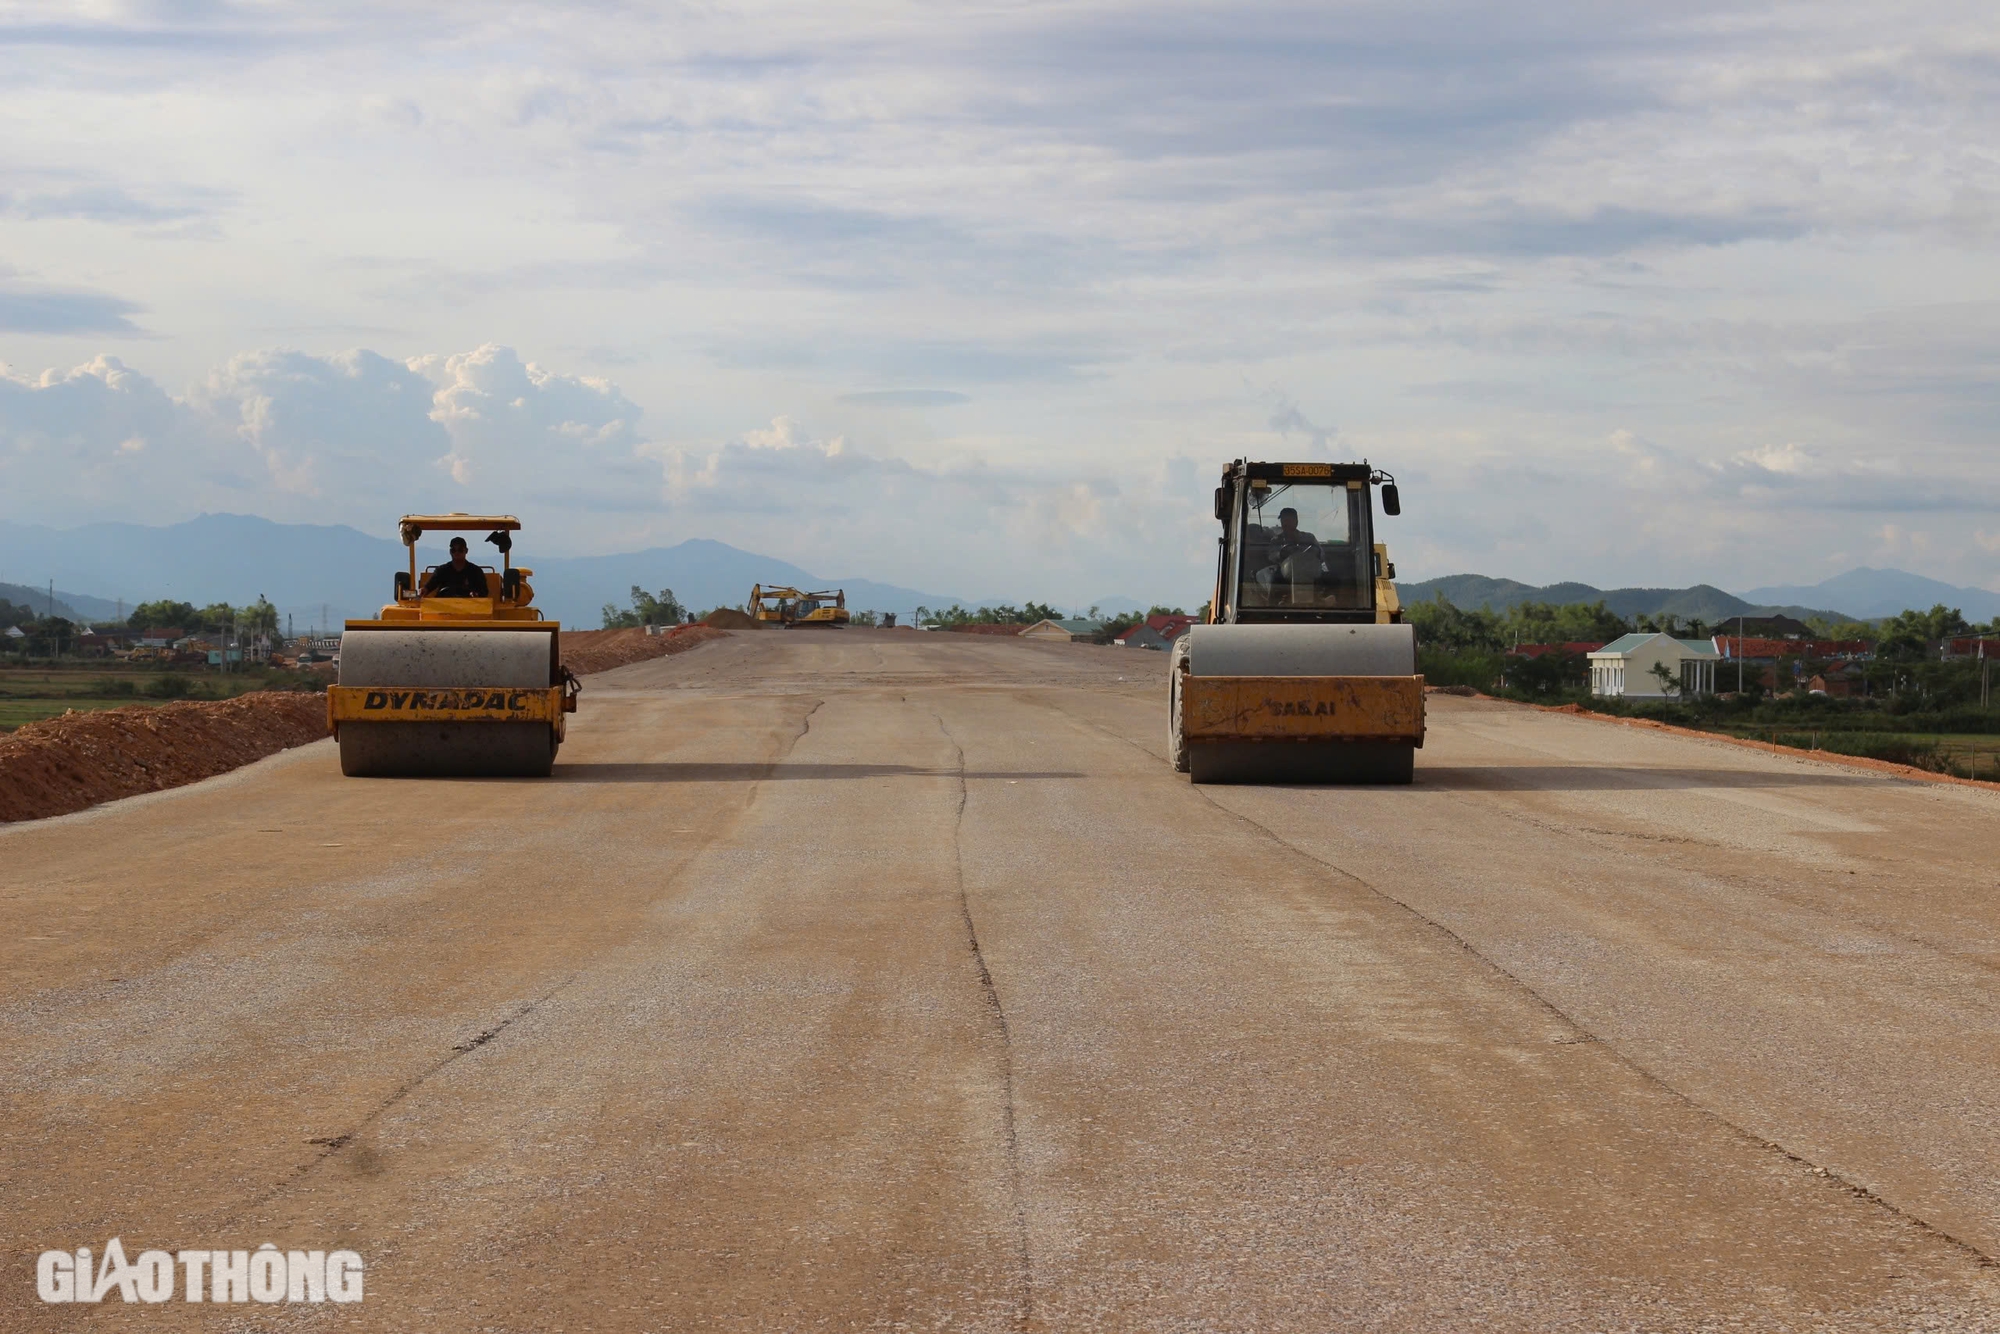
x,y
880,980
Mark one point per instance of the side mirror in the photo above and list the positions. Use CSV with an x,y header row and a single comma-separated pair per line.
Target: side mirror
x,y
1222,504
1392,504
402,584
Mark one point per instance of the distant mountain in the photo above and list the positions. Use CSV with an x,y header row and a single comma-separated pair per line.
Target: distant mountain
x,y
331,572
1702,602
1874,593
37,600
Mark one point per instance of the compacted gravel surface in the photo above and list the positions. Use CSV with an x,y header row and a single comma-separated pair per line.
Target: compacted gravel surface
x,y
882,980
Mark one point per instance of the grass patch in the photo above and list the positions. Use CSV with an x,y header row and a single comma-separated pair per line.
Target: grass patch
x,y
30,694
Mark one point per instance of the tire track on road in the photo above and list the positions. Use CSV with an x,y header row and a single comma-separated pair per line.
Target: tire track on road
x,y
990,994
1768,1145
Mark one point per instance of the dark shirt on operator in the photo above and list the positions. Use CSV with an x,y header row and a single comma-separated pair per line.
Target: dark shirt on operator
x,y
448,581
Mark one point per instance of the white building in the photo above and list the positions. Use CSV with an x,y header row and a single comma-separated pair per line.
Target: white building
x,y
1624,668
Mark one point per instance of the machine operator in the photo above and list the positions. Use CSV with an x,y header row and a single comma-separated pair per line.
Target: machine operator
x,y
458,579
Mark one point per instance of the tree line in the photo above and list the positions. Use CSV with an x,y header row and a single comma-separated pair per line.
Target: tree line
x,y
1471,646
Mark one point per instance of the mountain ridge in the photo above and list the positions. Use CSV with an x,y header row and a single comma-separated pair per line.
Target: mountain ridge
x,y
329,572
1703,602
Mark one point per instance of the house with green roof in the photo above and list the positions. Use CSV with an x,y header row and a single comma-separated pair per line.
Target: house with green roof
x,y
1631,666
1076,629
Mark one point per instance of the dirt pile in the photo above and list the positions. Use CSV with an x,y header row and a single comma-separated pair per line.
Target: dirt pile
x,y
586,651
728,618
986,629
69,763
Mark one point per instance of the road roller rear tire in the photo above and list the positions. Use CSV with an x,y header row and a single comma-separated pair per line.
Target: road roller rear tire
x,y
1177,746
1302,762
447,750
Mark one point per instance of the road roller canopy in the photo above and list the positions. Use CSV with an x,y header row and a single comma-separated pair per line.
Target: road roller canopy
x,y
414,526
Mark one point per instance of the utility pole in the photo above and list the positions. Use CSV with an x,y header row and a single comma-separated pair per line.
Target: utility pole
x,y
1739,652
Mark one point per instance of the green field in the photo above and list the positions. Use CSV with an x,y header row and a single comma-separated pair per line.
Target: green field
x,y
1968,755
29,694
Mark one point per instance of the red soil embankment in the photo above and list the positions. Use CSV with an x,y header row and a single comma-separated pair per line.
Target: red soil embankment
x,y
69,763
586,651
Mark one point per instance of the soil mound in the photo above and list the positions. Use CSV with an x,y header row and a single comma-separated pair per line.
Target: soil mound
x,y
69,763
586,651
728,618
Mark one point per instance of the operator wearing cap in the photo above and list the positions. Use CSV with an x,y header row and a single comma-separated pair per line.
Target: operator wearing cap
x,y
459,579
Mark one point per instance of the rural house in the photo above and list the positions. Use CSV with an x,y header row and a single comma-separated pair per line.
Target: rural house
x,y
1075,628
1158,632
1624,668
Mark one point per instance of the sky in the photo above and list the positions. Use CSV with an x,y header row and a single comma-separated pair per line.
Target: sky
x,y
981,297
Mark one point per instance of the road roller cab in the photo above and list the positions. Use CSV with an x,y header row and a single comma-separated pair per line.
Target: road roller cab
x,y
453,686
1305,670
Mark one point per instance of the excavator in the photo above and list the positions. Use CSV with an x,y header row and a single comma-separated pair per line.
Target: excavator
x,y
775,604
1304,670
453,686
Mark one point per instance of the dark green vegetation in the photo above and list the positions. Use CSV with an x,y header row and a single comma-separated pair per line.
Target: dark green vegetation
x,y
1003,614
1918,726
646,609
259,617
1910,705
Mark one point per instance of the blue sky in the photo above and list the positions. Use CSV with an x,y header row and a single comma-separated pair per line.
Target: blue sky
x,y
981,296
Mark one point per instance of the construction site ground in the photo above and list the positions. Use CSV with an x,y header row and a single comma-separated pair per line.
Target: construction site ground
x,y
878,980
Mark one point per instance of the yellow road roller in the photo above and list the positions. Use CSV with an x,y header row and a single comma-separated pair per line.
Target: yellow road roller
x,y
1305,670
458,677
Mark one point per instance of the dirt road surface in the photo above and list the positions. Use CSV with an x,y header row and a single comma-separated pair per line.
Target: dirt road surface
x,y
876,980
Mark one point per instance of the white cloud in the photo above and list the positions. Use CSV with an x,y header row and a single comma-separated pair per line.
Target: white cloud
x,y
348,437
1684,289
512,419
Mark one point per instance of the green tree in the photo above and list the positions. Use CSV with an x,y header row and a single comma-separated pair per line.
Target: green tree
x,y
1451,629
217,616
51,635
1548,623
259,618
165,612
1826,627
646,609
1908,636
1670,681
1004,614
